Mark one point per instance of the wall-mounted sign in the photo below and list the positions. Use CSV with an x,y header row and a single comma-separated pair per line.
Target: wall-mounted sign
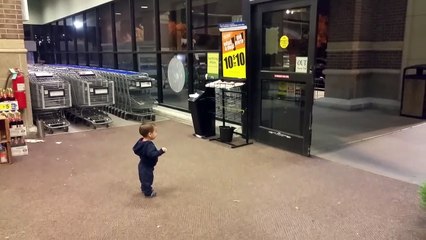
x,y
234,50
284,41
213,65
302,64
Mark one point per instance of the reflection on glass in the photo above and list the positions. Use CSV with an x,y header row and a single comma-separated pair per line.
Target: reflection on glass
x,y
206,15
173,25
64,58
58,58
27,32
92,40
125,61
105,28
283,106
285,39
79,32
61,36
54,37
147,63
94,59
122,25
72,59
144,24
69,33
108,60
175,84
82,59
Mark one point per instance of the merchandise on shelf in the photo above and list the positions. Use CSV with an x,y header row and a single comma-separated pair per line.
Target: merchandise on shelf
x,y
17,130
3,154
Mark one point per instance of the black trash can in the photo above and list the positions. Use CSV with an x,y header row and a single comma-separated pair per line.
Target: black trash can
x,y
226,133
413,99
202,108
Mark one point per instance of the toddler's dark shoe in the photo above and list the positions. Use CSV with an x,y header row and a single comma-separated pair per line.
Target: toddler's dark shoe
x,y
153,194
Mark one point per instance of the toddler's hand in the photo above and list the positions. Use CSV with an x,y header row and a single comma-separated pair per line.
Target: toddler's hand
x,y
164,149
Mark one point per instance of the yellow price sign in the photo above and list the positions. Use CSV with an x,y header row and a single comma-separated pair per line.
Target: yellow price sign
x,y
234,54
5,106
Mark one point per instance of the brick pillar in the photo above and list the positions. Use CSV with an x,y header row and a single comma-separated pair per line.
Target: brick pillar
x,y
364,53
12,49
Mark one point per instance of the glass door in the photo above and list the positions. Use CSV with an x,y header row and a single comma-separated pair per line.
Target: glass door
x,y
285,32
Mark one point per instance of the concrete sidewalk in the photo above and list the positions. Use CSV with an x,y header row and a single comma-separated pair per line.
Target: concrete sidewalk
x,y
87,187
400,155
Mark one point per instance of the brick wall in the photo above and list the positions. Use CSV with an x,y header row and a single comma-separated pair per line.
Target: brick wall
x,y
367,20
365,60
383,20
11,26
341,20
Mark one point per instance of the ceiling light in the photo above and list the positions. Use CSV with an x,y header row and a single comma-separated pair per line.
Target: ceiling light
x,y
78,24
144,7
287,11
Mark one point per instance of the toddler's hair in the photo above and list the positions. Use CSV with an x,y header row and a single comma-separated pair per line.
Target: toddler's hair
x,y
145,129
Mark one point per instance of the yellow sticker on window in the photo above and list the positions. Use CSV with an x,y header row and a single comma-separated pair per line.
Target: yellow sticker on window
x,y
284,41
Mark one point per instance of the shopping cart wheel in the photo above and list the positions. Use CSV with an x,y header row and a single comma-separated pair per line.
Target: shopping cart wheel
x,y
66,129
107,125
153,118
94,126
50,131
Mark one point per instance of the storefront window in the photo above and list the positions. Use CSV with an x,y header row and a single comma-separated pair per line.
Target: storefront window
x,y
125,61
70,33
175,80
206,15
92,40
79,32
108,60
62,36
64,58
72,59
123,26
144,25
147,63
173,25
94,59
54,36
82,59
105,27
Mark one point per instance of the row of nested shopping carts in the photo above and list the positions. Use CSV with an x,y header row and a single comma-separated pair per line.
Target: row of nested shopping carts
x,y
133,93
133,90
83,94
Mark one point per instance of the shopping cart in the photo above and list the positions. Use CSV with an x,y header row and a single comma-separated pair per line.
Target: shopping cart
x,y
50,95
90,93
133,90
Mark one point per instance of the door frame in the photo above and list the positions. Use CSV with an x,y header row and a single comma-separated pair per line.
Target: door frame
x,y
298,144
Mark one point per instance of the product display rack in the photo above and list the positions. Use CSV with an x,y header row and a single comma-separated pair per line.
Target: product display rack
x,y
231,103
5,140
12,132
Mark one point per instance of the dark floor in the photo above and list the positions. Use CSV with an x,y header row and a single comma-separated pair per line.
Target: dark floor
x,y
85,186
